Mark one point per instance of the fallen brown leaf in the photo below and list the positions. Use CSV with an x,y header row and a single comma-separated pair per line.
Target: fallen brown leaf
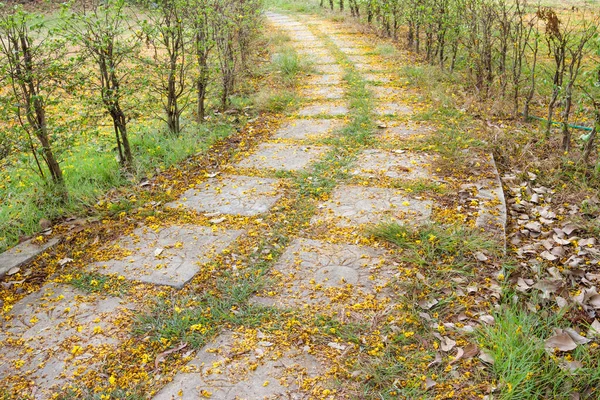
x,y
164,354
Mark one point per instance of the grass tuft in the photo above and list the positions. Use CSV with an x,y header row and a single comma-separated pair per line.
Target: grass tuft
x,y
289,64
92,282
431,244
276,101
523,368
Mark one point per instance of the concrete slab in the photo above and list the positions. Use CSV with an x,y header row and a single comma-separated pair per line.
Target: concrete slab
x,y
228,373
360,59
352,50
311,45
323,93
282,156
23,253
55,332
403,130
393,109
311,271
313,53
328,67
492,215
333,79
301,129
319,60
323,109
345,42
232,194
351,206
304,38
377,78
397,165
382,92
170,256
360,67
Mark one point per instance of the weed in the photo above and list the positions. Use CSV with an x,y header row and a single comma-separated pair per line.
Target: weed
x,y
386,50
347,332
279,38
323,178
91,282
289,64
420,186
390,375
240,102
196,319
276,101
116,394
431,245
523,368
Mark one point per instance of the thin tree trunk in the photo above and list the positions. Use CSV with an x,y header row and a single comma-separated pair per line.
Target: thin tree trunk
x,y
589,146
531,93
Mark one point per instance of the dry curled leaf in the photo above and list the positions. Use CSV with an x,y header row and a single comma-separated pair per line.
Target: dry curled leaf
x,y
486,357
459,354
577,338
427,304
337,346
447,344
594,331
429,383
471,350
437,361
562,341
164,354
546,255
64,261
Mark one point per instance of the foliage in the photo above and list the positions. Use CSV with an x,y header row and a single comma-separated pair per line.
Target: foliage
x,y
426,245
32,66
81,118
507,50
100,34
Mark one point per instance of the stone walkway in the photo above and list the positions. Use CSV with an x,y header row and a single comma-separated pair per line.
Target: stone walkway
x,y
57,334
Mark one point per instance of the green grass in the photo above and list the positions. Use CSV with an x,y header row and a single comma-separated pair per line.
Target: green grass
x,y
347,332
429,245
421,186
293,6
325,174
90,170
92,282
523,368
197,319
114,394
289,64
276,101
279,38
385,50
288,67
